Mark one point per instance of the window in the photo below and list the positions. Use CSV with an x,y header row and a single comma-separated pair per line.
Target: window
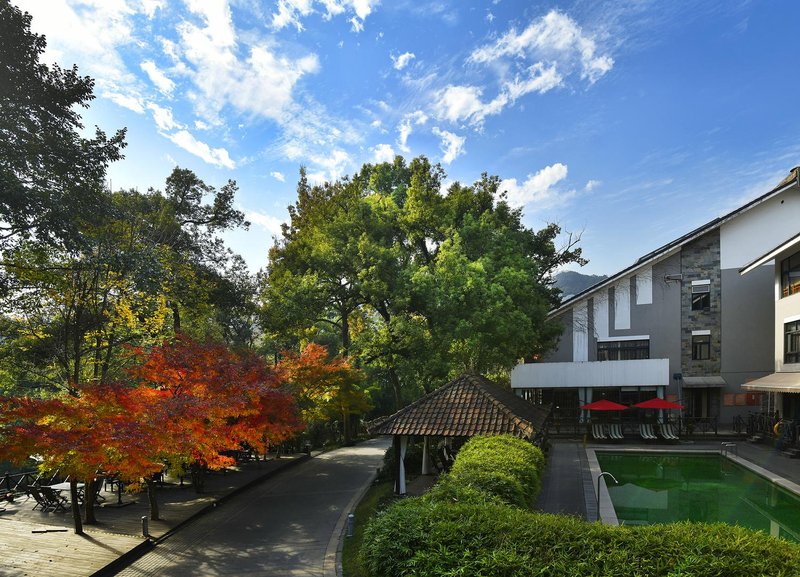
x,y
791,342
790,275
701,347
623,350
701,297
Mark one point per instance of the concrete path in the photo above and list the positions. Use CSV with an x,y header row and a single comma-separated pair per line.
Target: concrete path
x,y
289,525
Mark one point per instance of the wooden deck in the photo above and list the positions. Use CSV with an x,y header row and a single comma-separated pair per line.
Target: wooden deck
x,y
61,553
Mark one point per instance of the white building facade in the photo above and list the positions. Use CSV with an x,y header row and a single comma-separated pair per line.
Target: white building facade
x,y
681,323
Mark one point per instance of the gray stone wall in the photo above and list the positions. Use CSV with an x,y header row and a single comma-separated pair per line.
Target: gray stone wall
x,y
700,260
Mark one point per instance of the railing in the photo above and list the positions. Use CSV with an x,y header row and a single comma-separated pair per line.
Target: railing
x,y
18,483
697,425
739,424
760,424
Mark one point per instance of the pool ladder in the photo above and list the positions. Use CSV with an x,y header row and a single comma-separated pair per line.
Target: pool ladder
x,y
727,448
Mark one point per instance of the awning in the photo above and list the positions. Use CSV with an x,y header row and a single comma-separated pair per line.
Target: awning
x,y
776,383
702,382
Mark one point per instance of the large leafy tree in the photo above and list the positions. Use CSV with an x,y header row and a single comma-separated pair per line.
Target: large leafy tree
x,y
50,176
154,256
421,284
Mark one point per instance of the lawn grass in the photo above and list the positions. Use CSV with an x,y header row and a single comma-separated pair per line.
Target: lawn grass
x,y
377,497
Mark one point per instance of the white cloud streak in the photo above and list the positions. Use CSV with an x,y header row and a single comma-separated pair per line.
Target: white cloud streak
x,y
400,62
554,37
278,176
382,153
157,77
215,156
538,188
405,128
451,144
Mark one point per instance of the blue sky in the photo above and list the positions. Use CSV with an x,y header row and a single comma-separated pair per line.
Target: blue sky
x,y
628,122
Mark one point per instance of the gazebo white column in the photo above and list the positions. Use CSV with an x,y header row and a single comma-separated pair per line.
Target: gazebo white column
x,y
402,476
426,460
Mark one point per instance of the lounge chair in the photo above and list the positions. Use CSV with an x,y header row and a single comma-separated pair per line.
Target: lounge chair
x,y
646,431
668,432
599,432
615,432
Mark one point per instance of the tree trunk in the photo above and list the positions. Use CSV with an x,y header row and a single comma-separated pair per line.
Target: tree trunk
x,y
345,334
76,508
88,501
348,434
395,381
152,497
176,317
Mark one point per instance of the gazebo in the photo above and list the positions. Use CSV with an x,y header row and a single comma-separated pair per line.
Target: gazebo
x,y
469,405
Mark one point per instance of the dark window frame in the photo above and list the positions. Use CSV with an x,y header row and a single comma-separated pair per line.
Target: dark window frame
x,y
790,275
791,342
701,347
623,350
701,297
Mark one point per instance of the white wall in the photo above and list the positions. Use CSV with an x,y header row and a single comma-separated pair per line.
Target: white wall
x,y
760,229
636,373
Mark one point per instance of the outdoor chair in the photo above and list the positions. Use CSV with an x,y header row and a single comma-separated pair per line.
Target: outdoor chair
x,y
41,502
615,432
599,432
646,431
56,502
668,432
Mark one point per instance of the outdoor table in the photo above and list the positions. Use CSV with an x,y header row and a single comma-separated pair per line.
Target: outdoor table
x,y
65,487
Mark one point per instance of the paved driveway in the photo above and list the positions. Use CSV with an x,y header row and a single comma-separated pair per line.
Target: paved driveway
x,y
284,526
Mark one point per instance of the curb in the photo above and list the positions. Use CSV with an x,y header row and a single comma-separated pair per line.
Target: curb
x,y
149,544
333,552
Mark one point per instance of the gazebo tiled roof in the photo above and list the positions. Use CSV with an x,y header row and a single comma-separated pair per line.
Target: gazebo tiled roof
x,y
467,406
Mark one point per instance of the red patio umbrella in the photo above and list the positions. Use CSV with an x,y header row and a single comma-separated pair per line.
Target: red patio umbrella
x,y
657,403
604,405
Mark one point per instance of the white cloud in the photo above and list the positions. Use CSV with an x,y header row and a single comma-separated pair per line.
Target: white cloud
x,y
271,224
157,77
261,84
452,145
150,6
405,128
382,153
591,185
278,176
291,12
554,37
537,188
126,101
465,103
215,156
402,61
163,117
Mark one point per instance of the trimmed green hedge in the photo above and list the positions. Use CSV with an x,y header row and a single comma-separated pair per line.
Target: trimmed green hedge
x,y
435,538
466,526
503,465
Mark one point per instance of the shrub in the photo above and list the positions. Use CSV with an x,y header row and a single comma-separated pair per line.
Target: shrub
x,y
433,538
513,465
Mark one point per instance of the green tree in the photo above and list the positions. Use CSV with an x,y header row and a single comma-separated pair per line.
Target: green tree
x,y
422,285
50,176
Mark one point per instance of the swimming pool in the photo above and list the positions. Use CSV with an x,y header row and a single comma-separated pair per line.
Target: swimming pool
x,y
668,487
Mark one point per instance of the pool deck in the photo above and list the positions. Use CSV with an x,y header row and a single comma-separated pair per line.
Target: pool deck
x,y
570,485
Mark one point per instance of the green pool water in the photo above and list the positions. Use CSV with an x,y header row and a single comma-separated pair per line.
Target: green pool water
x,y
663,488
